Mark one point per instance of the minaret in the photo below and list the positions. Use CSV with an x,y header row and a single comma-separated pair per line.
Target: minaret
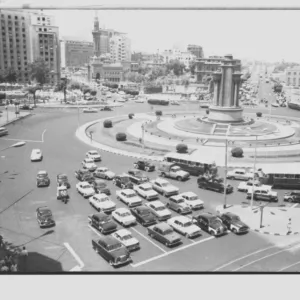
x,y
96,35
96,21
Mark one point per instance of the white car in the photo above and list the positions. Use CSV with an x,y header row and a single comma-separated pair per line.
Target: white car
x,y
244,186
121,100
90,110
94,155
102,203
36,155
140,100
275,104
192,200
129,197
146,191
125,237
185,226
105,173
159,210
123,216
85,189
88,163
240,174
164,187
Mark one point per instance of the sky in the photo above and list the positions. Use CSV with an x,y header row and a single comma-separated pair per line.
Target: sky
x,y
262,35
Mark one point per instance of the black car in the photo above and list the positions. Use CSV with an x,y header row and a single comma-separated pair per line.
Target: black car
x,y
42,179
143,215
137,177
123,181
44,217
62,179
293,196
214,184
210,223
234,223
101,187
26,107
144,165
103,222
106,108
84,175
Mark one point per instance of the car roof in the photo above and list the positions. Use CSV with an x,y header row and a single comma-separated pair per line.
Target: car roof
x,y
128,191
62,175
239,170
189,194
122,232
100,195
93,151
206,215
84,182
44,208
109,240
163,226
100,215
122,209
145,185
161,180
176,197
42,172
101,168
230,214
157,203
36,150
182,219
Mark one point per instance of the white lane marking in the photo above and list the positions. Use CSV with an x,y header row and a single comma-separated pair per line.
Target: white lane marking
x,y
75,269
21,140
240,258
192,240
270,255
149,240
294,205
43,135
171,252
77,258
289,266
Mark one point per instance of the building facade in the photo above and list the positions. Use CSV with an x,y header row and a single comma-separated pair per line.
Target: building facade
x,y
196,50
292,76
120,48
207,66
75,53
184,57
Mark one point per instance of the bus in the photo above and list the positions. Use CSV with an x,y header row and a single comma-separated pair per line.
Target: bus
x,y
281,176
158,102
195,166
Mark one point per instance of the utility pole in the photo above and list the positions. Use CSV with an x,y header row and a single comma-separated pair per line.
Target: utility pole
x,y
254,169
225,176
143,136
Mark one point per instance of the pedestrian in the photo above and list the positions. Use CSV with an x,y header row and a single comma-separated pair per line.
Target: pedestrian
x,y
289,226
1,241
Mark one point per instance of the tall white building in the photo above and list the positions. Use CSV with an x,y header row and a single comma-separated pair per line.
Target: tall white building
x,y
120,48
175,54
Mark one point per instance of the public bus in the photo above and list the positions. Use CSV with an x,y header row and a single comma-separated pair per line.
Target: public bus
x,y
194,165
158,102
281,176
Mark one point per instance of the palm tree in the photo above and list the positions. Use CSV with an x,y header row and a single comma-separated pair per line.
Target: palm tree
x,y
32,90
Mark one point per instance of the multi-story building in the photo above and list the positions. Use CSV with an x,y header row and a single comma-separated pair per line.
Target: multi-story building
x,y
207,66
292,76
176,54
196,50
75,53
26,36
120,48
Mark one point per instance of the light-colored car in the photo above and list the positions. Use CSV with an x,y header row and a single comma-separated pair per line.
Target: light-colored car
x,y
240,174
244,186
94,155
129,197
121,99
177,203
192,200
85,189
164,187
275,104
90,110
185,226
88,163
159,210
125,237
262,193
36,155
124,216
105,173
146,191
140,100
102,202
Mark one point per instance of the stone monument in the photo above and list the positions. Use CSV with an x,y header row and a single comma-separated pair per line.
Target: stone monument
x,y
225,107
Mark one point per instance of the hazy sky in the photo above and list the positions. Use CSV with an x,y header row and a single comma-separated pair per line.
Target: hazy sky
x,y
266,35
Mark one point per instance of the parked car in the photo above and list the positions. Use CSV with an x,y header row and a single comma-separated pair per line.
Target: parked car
x,y
144,165
123,181
106,108
173,102
165,234
192,200
159,210
84,175
262,193
36,155
143,215
125,237
26,107
178,204
240,174
293,196
85,189
112,250
129,197
137,177
244,186
214,184
164,187
185,226
100,187
42,179
105,173
146,191
94,155
123,216
168,169
44,217
103,222
234,223
102,202
210,223
204,104
274,104
90,110
62,179
88,163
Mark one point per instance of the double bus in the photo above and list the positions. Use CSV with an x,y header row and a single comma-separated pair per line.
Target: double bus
x,y
281,176
195,166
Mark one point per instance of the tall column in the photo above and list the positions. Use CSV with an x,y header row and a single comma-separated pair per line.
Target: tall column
x,y
227,84
236,80
216,79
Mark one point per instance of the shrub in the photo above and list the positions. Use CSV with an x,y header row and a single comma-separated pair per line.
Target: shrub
x,y
182,148
259,114
86,90
158,113
121,136
237,152
130,116
107,123
207,111
93,93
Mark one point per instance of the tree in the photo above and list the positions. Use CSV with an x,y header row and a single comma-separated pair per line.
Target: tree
x,y
176,66
39,71
32,90
157,72
11,75
193,65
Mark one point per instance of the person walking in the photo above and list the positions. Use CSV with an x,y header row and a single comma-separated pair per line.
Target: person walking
x,y
1,241
289,226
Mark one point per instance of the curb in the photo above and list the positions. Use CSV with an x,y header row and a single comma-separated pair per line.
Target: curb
x,y
76,107
15,120
273,233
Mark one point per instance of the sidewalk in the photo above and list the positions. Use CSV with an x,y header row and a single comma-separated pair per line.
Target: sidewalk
x,y
7,117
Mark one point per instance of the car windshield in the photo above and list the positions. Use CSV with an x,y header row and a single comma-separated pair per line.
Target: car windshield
x,y
87,186
42,175
63,177
131,195
187,224
103,199
125,214
215,222
114,247
235,218
179,201
159,208
148,188
168,231
103,170
193,198
126,237
164,184
104,220
45,213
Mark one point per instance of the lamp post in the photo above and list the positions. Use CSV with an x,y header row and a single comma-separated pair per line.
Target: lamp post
x,y
225,175
17,108
254,168
143,136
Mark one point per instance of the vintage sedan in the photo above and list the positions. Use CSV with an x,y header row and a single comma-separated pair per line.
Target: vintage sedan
x,y
105,173
292,196
129,197
177,203
240,174
159,210
103,222
36,155
102,202
44,217
192,200
88,163
137,177
62,179
42,179
100,187
244,186
123,181
84,175
89,110
144,165
143,215
85,189
185,226
164,187
106,108
234,223
146,191
125,237
94,155
124,217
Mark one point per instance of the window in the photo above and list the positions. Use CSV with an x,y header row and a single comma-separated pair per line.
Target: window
x,y
23,29
40,29
9,17
45,29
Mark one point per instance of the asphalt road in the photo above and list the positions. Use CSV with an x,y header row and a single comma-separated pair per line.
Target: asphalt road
x,y
53,133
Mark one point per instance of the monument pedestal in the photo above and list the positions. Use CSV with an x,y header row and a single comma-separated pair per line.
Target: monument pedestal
x,y
225,114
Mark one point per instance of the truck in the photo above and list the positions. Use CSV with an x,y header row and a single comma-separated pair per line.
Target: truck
x,y
214,184
171,170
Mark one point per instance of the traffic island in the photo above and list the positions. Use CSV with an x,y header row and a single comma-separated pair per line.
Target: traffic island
x,y
267,220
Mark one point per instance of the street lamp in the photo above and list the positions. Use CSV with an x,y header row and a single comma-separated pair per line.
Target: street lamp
x,y
254,168
17,108
226,160
143,136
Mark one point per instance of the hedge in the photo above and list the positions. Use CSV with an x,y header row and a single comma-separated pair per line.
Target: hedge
x,y
158,113
153,89
130,116
121,136
237,152
107,123
259,114
94,93
182,148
